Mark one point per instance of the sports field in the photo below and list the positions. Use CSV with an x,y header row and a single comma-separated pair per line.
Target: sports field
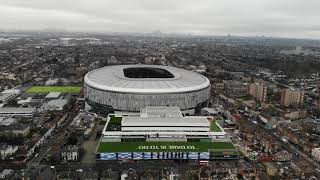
x,y
164,147
115,120
214,127
47,89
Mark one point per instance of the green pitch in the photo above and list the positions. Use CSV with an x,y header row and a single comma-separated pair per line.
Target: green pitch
x,y
214,127
115,120
165,147
47,89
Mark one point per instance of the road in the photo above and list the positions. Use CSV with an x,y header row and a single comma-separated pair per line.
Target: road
x,y
44,148
292,149
34,162
289,147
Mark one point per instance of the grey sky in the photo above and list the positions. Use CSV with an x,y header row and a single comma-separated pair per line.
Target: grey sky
x,y
286,18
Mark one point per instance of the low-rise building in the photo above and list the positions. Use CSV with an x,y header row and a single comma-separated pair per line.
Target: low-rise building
x,y
53,95
15,129
218,87
7,95
295,114
282,156
70,153
55,105
271,169
83,121
269,122
315,153
6,173
250,103
17,112
52,82
7,150
6,121
215,111
235,88
24,101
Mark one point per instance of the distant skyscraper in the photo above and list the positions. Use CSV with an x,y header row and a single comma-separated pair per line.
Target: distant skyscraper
x,y
291,97
259,91
298,50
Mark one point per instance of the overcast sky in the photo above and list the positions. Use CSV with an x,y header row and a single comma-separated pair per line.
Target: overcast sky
x,y
285,18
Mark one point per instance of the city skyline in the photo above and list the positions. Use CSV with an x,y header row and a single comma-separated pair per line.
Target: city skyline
x,y
293,19
150,89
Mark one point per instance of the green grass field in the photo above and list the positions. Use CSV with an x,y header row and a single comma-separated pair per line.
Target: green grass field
x,y
214,127
165,147
47,89
115,120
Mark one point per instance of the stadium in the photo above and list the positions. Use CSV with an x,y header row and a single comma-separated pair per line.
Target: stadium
x,y
128,88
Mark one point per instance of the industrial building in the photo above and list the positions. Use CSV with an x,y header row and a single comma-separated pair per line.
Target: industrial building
x,y
17,112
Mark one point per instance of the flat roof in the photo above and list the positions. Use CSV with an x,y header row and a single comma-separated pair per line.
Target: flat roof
x,y
57,103
5,96
112,78
170,133
165,147
12,110
210,110
6,121
11,91
190,121
52,95
159,111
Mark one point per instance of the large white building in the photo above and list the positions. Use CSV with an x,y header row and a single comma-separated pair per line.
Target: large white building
x,y
129,88
163,133
162,124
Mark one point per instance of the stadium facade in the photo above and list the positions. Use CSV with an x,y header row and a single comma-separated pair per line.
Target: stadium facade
x,y
129,88
163,133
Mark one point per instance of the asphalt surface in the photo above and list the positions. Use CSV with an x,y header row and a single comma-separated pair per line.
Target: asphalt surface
x,y
44,148
287,146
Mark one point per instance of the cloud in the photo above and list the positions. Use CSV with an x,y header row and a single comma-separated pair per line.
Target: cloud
x,y
290,18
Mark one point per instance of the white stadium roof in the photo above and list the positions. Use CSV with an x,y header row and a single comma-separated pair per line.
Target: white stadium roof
x,y
112,78
190,121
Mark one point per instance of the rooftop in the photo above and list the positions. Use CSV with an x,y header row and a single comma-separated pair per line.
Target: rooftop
x,y
11,91
53,95
59,103
154,117
127,78
9,110
6,121
5,96
160,121
156,111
